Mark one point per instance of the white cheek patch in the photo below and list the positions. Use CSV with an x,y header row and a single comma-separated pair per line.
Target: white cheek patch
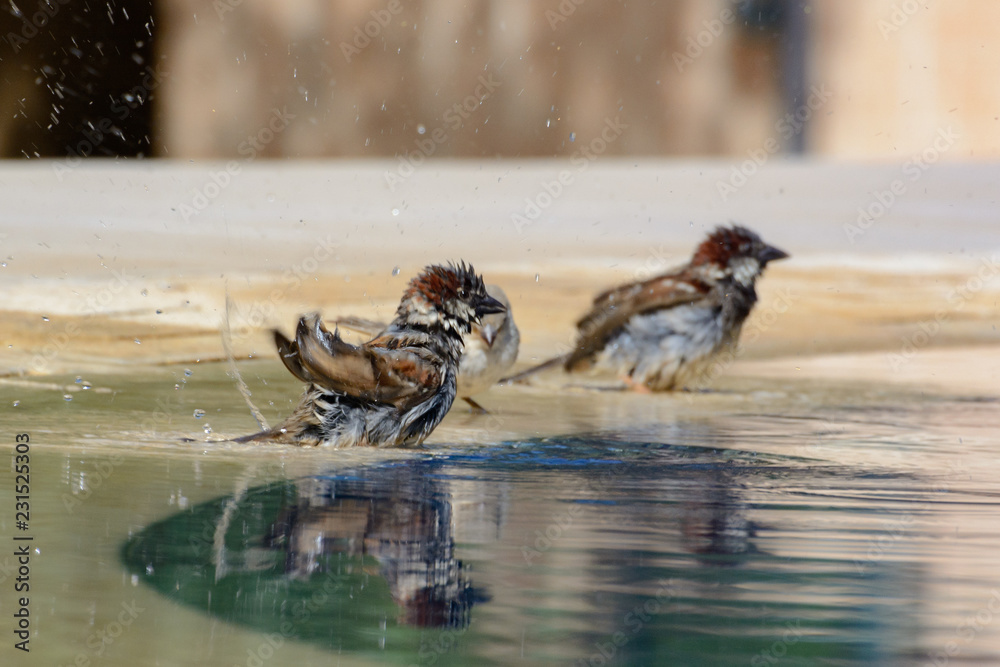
x,y
745,270
423,313
715,272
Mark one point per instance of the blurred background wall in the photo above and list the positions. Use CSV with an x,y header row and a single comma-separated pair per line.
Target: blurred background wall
x,y
205,79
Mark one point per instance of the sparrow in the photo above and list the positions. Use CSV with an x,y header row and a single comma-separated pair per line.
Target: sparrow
x,y
393,390
490,348
664,333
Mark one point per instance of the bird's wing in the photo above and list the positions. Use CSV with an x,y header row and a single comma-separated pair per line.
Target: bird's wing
x,y
369,328
613,309
384,370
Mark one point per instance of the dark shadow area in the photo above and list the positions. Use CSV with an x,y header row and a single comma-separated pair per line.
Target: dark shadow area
x,y
79,78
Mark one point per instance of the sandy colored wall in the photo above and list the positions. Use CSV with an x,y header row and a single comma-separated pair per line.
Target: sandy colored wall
x,y
875,79
902,72
558,72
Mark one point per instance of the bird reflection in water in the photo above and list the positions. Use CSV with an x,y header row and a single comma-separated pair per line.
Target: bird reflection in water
x,y
400,519
714,521
702,488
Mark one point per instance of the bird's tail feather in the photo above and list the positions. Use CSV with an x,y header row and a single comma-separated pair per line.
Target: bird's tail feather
x,y
545,365
278,434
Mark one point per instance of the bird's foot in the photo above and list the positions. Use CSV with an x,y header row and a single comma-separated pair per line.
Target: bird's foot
x,y
637,387
475,407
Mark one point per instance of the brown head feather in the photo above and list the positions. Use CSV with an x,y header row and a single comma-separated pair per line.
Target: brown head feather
x,y
723,244
438,284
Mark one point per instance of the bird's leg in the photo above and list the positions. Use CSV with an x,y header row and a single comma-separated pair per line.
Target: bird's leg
x,y
475,406
637,387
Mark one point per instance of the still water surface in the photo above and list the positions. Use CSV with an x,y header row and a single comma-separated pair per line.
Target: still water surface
x,y
808,524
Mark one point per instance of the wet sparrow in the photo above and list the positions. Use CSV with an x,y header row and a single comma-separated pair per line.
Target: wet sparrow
x,y
393,390
490,348
664,333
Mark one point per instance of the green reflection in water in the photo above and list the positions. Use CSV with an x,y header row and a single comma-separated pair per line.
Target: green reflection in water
x,y
363,561
350,563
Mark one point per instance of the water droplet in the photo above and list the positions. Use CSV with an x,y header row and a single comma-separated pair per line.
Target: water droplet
x,y
572,136
44,319
270,196
67,397
395,211
548,122
188,372
159,312
207,429
536,277
86,385
199,413
144,292
421,129
17,403
78,379
137,341
3,264
395,270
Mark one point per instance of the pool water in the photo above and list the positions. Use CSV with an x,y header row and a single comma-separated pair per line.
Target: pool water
x,y
807,524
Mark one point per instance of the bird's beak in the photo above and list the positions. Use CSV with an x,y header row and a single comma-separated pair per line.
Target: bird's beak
x,y
769,254
488,305
488,333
